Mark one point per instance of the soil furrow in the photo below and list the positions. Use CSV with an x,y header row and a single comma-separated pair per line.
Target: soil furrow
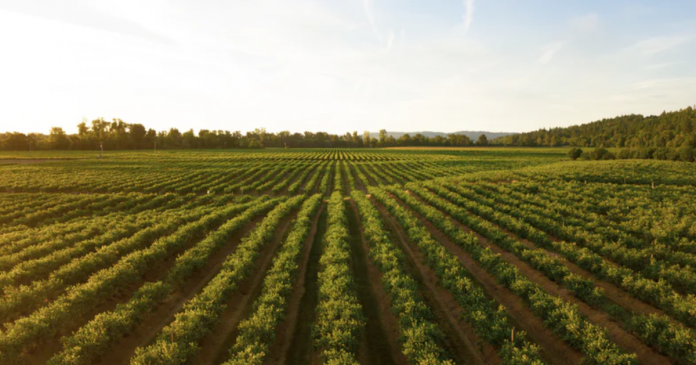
x,y
215,346
617,334
301,349
286,329
148,329
553,349
381,337
461,341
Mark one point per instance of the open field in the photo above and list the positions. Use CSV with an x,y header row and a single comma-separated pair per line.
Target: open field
x,y
369,256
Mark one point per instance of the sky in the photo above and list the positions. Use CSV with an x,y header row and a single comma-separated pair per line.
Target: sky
x,y
343,65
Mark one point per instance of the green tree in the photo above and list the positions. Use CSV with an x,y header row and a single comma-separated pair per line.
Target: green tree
x,y
58,139
482,140
575,153
136,134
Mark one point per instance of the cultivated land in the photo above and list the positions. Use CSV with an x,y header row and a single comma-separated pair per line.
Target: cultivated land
x,y
394,256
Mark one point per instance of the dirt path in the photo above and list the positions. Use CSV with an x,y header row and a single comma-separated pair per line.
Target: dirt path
x,y
380,342
308,178
332,176
148,329
286,328
214,348
461,341
296,343
370,179
553,349
345,182
20,161
358,182
284,191
373,171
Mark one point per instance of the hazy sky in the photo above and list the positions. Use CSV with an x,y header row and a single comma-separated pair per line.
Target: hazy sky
x,y
343,65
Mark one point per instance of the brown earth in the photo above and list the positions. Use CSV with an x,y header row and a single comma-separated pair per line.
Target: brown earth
x,y
214,348
296,342
553,349
380,342
278,351
460,341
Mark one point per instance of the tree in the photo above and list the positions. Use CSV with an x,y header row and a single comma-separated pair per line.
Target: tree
x,y
482,140
188,139
173,138
58,139
382,137
366,139
601,153
357,142
150,138
136,134
574,153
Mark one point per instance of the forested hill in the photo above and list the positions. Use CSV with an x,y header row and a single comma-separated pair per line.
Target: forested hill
x,y
673,129
473,135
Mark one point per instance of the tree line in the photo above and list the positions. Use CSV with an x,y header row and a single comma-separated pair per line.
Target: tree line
x,y
673,130
119,135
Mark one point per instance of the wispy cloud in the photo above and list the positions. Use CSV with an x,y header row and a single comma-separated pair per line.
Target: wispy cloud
x,y
586,23
550,50
369,8
468,14
654,45
390,39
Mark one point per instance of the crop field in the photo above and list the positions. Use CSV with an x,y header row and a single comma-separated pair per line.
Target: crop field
x,y
346,256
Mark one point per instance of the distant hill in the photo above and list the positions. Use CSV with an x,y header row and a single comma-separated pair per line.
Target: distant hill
x,y
473,135
673,129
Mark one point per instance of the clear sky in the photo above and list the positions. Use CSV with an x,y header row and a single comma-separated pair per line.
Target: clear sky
x,y
343,65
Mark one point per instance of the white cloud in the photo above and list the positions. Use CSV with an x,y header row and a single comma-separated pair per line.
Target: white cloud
x,y
468,14
549,51
586,23
369,8
655,45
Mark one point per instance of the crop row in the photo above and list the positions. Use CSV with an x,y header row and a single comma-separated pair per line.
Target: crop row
x,y
257,332
42,324
177,343
582,257
419,334
488,319
339,316
99,335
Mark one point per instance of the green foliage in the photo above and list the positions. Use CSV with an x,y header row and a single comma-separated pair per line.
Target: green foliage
x,y
339,314
671,129
177,343
574,153
256,333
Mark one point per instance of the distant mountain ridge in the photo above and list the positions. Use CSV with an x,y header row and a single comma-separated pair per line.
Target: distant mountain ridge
x,y
473,135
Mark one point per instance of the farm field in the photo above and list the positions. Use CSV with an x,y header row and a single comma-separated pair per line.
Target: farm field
x,y
346,256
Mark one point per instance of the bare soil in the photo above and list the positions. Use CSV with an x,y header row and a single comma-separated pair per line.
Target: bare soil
x,y
286,329
380,342
358,182
370,179
297,342
21,161
214,348
147,330
461,341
